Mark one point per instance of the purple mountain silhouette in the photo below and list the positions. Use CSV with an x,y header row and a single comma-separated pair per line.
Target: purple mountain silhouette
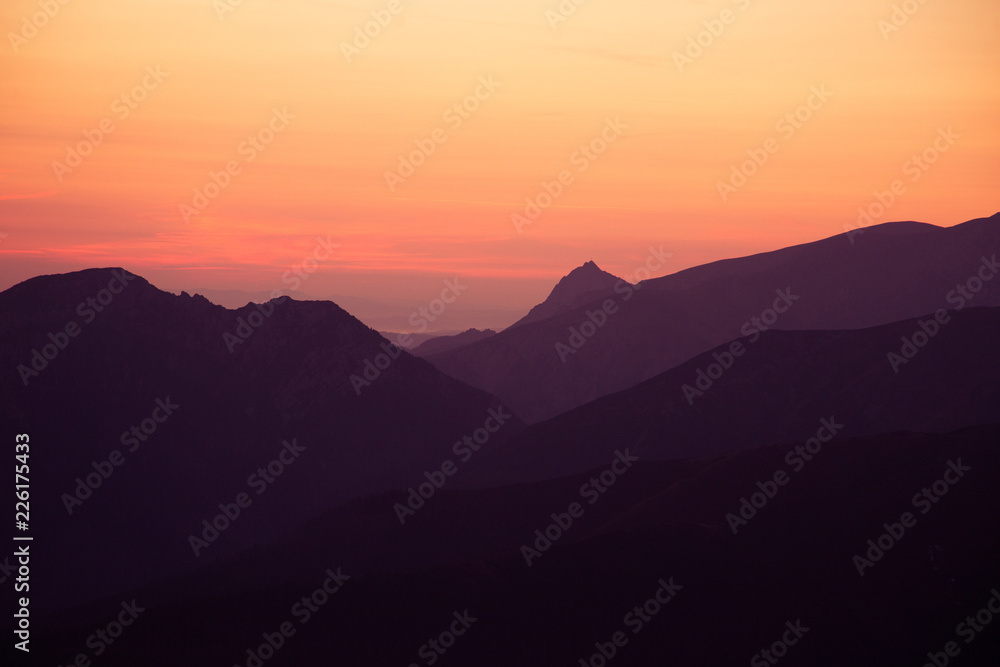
x,y
368,417
441,344
891,272
582,285
779,389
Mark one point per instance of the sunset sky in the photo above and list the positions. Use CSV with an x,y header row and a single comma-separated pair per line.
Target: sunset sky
x,y
210,78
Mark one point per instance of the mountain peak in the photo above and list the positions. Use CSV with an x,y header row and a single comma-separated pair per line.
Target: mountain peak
x,y
586,283
586,278
588,268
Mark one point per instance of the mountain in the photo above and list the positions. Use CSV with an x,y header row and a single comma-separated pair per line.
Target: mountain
x,y
152,412
792,564
411,340
444,343
889,273
580,286
782,387
395,314
234,298
279,485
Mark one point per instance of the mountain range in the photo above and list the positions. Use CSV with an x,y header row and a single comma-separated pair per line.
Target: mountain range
x,y
739,443
245,381
894,271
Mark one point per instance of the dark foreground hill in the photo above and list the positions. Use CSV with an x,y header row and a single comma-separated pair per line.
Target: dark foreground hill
x,y
662,530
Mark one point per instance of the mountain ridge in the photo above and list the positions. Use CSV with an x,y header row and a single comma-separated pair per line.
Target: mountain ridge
x,y
665,321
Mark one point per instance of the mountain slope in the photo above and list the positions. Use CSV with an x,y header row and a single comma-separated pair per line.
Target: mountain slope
x,y
891,272
441,344
780,389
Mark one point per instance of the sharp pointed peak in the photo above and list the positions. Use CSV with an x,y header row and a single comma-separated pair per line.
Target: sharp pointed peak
x,y
587,268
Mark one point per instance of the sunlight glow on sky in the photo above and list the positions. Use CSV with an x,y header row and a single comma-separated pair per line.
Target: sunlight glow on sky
x,y
323,173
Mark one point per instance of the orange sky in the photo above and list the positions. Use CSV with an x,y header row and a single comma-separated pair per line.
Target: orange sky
x,y
208,82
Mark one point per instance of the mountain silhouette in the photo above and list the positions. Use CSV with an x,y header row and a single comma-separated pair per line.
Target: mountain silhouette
x,y
731,436
664,520
891,272
582,285
780,389
368,416
446,343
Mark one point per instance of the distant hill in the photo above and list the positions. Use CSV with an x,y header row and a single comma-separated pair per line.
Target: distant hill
x,y
440,344
412,340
